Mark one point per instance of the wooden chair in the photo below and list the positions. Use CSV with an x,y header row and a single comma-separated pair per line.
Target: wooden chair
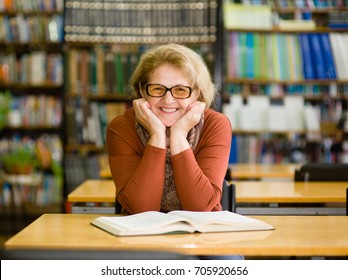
x,y
228,200
322,172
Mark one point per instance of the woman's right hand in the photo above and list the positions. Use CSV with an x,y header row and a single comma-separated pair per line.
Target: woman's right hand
x,y
150,122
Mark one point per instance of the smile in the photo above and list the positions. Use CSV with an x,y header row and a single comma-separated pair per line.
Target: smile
x,y
169,110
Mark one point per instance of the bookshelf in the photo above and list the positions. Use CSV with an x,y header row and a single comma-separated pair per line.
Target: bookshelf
x,y
103,43
292,55
31,108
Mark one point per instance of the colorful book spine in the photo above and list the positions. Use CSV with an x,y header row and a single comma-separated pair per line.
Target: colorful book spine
x,y
306,56
249,63
328,56
317,56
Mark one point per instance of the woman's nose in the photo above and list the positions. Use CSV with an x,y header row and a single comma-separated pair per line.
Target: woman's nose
x,y
168,97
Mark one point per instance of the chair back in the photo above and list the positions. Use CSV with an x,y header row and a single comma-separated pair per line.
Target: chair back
x,y
322,172
228,199
118,207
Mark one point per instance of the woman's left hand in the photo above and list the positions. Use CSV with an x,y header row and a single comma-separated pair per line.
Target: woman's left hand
x,y
192,117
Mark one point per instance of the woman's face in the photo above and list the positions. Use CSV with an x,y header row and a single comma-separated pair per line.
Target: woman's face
x,y
168,108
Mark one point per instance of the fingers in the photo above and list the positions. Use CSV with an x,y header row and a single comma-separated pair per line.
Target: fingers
x,y
146,117
195,111
190,118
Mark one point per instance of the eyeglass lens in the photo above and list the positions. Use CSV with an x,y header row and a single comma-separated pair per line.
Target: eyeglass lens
x,y
156,90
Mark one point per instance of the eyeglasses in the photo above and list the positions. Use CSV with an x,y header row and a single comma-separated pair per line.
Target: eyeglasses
x,y
158,90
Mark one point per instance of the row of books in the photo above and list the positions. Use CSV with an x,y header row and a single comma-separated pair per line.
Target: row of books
x,y
278,149
263,17
46,193
34,68
291,114
287,57
106,69
238,16
47,147
312,4
35,110
87,121
257,114
280,90
31,5
31,29
338,19
78,168
101,70
140,21
267,150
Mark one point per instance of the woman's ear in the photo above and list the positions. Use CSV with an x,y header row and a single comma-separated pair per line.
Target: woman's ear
x,y
142,90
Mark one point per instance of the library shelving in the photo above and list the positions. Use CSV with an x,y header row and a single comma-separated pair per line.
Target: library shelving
x,y
286,80
103,43
31,110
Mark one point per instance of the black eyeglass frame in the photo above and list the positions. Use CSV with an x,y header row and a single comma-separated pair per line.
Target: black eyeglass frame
x,y
168,89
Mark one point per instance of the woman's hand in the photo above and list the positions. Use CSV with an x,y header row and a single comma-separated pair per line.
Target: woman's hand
x,y
150,122
179,131
192,117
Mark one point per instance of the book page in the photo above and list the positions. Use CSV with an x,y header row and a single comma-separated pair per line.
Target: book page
x,y
151,222
221,221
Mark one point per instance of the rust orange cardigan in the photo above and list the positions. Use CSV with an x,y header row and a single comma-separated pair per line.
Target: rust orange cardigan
x,y
138,171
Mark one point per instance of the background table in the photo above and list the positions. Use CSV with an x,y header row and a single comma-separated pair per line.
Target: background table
x,y
247,171
93,196
242,171
300,198
272,193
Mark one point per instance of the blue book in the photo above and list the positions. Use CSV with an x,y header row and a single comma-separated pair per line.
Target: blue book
x,y
317,56
242,55
249,55
307,64
325,45
234,150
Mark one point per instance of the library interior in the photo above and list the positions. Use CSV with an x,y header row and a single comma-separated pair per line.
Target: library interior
x,y
281,72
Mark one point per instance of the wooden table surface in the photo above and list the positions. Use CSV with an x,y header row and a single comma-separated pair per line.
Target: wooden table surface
x,y
293,236
262,171
102,190
290,192
246,171
246,191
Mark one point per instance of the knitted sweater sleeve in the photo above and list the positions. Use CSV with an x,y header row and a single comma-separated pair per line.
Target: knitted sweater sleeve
x,y
199,174
138,171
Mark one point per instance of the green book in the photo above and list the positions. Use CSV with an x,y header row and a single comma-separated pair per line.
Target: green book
x,y
119,73
92,72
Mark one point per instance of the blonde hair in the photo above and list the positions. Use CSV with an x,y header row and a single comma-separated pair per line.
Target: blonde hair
x,y
184,59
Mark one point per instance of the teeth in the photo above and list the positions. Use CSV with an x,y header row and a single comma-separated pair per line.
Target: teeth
x,y
168,110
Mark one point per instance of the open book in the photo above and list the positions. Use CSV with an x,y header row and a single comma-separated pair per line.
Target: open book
x,y
153,222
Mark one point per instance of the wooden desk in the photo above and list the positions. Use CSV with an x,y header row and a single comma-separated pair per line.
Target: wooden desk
x,y
242,171
293,236
94,191
289,192
251,192
105,172
93,196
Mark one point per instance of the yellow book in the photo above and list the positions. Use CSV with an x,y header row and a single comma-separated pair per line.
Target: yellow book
x,y
247,16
